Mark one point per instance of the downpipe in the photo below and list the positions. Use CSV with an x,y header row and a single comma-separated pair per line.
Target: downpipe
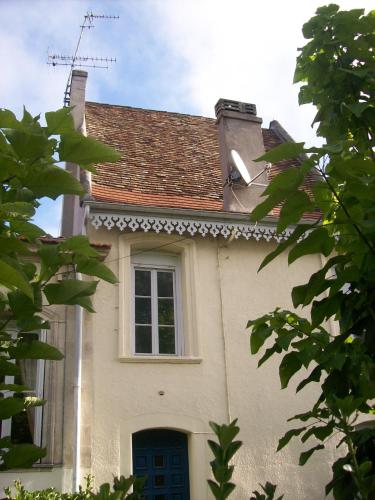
x,y
77,385
77,400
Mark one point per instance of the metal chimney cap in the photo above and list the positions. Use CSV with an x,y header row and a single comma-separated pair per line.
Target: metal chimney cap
x,y
237,106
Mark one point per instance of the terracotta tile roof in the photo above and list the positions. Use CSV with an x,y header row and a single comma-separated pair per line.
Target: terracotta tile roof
x,y
167,159
55,240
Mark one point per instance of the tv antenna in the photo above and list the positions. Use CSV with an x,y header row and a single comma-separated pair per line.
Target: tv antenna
x,y
240,172
76,61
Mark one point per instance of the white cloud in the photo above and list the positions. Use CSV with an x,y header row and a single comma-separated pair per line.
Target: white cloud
x,y
243,50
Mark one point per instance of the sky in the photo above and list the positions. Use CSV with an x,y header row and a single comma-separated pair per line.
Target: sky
x,y
173,55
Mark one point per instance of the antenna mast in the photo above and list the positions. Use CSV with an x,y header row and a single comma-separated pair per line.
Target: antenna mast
x,y
81,61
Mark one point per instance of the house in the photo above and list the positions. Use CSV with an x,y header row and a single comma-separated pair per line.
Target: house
x,y
167,350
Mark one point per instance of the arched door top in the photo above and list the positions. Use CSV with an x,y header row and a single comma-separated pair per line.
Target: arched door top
x,y
162,456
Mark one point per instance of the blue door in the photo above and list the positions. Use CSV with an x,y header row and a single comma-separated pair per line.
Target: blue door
x,y
162,456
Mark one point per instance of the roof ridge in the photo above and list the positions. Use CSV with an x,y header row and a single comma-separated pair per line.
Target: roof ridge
x,y
152,110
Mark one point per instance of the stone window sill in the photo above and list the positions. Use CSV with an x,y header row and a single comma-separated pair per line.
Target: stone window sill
x,y
161,359
34,468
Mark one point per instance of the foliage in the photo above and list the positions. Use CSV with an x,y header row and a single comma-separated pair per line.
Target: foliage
x,y
223,453
35,274
337,69
120,491
269,490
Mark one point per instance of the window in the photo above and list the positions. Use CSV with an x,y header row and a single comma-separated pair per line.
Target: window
x,y
26,427
178,262
156,321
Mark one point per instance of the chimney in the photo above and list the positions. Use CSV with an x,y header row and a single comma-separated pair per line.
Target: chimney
x,y
240,129
77,98
73,213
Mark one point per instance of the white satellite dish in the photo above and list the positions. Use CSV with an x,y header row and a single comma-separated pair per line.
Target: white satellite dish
x,y
240,166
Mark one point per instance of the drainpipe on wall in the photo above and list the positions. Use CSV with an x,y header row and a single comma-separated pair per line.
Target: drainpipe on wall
x,y
73,224
77,386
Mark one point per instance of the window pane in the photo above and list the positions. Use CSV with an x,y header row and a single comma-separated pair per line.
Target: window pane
x,y
143,340
143,310
143,283
165,284
167,344
166,311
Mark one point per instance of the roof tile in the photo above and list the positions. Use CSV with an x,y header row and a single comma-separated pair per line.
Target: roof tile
x,y
167,159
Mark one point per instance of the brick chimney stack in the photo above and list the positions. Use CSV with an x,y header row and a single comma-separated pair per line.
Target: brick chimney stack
x,y
240,129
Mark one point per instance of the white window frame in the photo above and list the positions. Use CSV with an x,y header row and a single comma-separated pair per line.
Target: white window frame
x,y
6,425
154,262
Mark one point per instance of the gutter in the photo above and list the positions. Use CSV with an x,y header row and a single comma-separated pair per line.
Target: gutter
x,y
217,215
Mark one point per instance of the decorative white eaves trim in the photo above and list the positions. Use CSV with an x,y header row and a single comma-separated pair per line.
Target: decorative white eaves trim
x,y
194,227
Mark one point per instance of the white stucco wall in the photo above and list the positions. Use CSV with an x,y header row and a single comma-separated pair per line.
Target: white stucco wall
x,y
226,384
221,383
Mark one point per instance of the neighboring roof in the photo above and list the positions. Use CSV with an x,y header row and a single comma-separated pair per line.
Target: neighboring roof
x,y
167,159
55,240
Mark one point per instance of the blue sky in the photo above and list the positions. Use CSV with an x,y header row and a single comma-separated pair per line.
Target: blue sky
x,y
175,55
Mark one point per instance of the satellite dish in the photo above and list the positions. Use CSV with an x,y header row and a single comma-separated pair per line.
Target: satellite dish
x,y
240,166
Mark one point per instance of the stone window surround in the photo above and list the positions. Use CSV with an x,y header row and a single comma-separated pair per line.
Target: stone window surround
x,y
186,251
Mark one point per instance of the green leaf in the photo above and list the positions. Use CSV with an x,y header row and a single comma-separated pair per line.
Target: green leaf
x,y
321,432
303,458
12,278
287,182
26,229
28,145
93,267
10,407
69,291
52,182
290,364
288,436
222,473
358,108
269,352
35,350
286,151
313,377
17,208
216,449
22,455
325,308
365,467
293,209
76,148
282,186
214,488
80,245
281,247
10,244
258,336
227,489
7,368
8,119
85,302
264,208
318,241
13,387
60,121
232,449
